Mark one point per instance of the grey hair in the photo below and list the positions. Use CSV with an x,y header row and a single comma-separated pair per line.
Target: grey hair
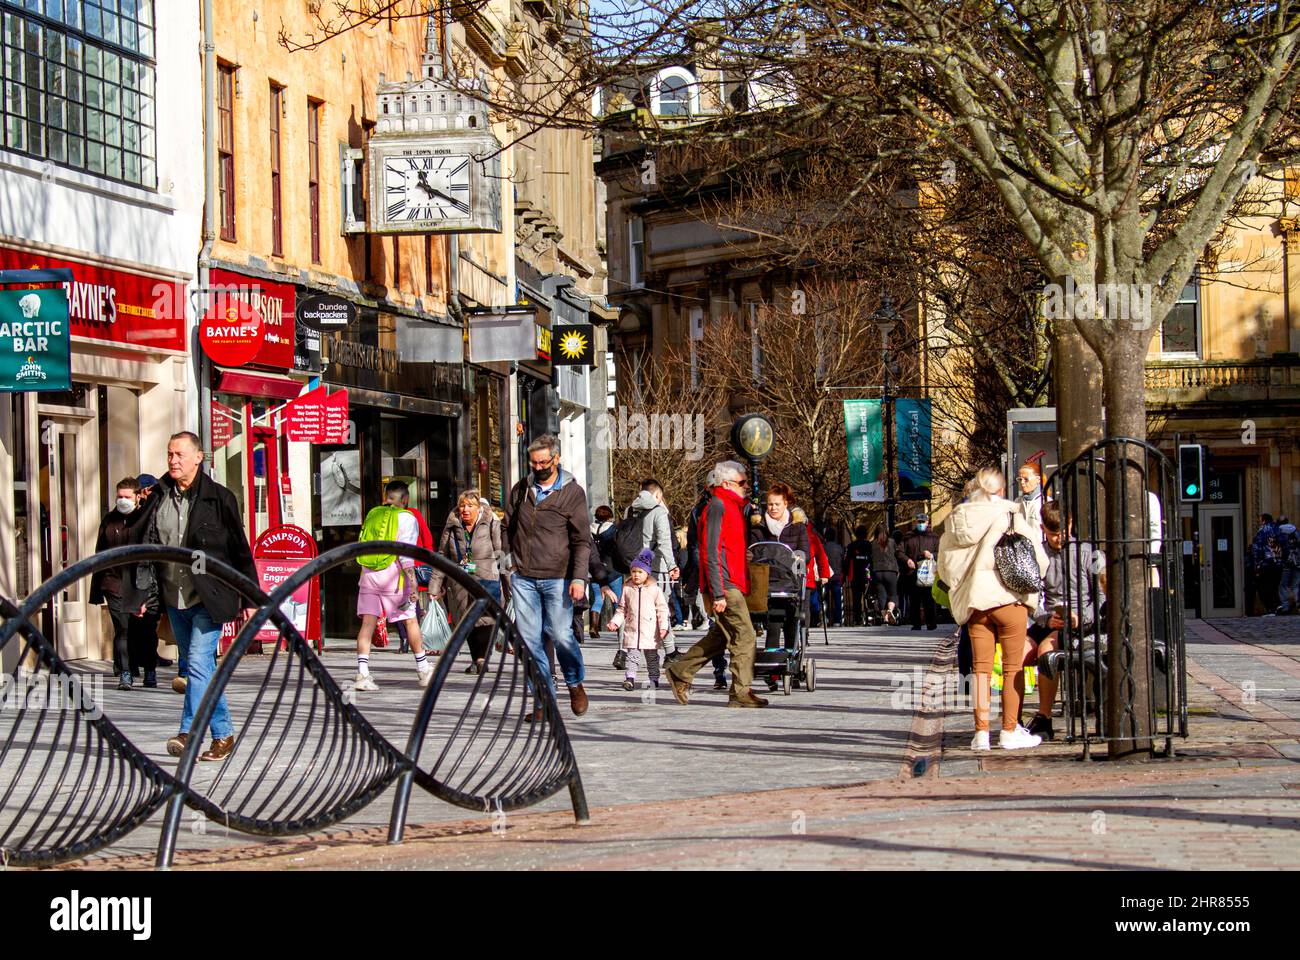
x,y
710,480
728,470
547,441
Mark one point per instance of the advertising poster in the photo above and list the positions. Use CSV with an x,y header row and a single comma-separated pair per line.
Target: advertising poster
x,y
912,430
340,489
35,341
864,431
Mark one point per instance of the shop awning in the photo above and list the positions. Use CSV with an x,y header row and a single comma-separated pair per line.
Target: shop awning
x,y
252,385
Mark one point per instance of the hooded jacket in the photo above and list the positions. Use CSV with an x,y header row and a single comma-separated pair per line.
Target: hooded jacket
x,y
550,540
794,534
642,618
656,530
966,556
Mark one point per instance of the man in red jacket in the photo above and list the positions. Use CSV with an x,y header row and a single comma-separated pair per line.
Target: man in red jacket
x,y
724,579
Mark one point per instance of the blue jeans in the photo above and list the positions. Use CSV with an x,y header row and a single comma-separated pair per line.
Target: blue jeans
x,y
197,638
544,611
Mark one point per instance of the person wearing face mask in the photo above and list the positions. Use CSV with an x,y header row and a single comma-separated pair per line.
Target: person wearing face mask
x,y
132,608
919,546
550,544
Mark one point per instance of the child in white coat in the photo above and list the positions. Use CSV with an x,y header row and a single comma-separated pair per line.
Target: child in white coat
x,y
642,620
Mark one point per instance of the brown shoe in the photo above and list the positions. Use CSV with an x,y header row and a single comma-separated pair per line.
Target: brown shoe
x,y
681,688
220,749
747,700
578,700
176,745
534,717
179,684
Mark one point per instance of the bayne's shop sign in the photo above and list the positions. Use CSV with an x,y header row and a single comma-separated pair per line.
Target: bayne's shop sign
x,y
112,305
35,347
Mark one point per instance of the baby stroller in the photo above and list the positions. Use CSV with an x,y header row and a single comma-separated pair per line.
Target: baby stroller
x,y
786,586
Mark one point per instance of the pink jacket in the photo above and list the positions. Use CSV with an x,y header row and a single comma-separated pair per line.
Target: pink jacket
x,y
642,616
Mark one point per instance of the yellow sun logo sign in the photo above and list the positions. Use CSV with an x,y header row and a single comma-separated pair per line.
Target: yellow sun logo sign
x,y
573,345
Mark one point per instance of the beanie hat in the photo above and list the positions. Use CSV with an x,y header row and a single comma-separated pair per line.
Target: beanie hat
x,y
645,560
146,480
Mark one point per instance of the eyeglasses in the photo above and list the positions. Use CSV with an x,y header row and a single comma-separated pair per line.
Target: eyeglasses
x,y
541,466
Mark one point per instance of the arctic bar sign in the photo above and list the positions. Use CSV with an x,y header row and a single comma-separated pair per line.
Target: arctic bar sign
x,y
35,346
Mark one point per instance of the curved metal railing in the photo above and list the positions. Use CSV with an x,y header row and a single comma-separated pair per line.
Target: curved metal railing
x,y
305,757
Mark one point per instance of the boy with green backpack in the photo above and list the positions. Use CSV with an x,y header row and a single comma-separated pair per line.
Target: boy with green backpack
x,y
387,587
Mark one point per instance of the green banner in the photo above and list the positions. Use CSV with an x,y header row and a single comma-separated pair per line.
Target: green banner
x,y
35,341
864,429
912,430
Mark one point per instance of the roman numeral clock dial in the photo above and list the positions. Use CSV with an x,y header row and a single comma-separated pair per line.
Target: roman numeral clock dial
x,y
426,189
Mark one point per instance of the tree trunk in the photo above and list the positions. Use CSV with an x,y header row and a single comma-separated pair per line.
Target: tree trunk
x,y
1128,715
1076,378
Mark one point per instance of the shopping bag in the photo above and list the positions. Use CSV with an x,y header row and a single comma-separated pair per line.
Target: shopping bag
x,y
435,630
380,638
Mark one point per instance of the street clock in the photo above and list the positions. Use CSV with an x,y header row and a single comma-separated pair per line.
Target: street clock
x,y
752,436
434,163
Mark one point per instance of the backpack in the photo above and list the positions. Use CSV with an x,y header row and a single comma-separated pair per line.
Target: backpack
x,y
1291,558
628,539
925,573
380,524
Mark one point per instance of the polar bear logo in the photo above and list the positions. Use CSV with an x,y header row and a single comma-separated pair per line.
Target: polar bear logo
x,y
30,305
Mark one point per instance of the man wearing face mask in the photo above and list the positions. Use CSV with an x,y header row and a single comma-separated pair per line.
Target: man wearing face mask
x,y
133,609
919,546
549,540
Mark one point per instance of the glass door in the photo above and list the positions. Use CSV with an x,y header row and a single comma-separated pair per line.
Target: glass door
x,y
1221,570
69,494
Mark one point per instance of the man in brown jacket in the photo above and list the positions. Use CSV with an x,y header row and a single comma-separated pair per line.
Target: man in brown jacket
x,y
546,525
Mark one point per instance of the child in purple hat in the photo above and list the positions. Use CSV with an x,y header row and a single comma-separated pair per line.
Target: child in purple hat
x,y
642,620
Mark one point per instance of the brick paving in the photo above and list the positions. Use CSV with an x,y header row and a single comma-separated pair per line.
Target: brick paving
x,y
844,777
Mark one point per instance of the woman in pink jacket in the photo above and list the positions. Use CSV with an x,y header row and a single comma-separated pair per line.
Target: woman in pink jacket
x,y
642,620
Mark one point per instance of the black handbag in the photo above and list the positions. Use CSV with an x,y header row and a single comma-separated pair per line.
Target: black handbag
x,y
1015,561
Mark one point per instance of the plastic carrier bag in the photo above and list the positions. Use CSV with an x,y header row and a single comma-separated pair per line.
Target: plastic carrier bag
x,y
435,629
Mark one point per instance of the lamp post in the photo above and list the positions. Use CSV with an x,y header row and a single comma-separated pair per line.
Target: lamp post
x,y
886,318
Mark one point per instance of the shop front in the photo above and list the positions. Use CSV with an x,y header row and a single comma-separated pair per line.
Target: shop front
x,y
250,455
406,398
62,453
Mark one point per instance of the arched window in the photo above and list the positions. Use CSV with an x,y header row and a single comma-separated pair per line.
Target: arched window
x,y
676,93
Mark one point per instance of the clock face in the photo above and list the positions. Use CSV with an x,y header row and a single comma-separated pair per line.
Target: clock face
x,y
756,438
425,187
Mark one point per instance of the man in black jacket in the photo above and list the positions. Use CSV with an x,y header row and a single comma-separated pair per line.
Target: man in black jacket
x,y
192,510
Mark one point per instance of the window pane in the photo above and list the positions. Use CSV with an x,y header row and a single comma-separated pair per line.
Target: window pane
x,y
1180,329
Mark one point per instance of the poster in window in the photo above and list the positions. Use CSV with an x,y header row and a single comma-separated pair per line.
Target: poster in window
x,y
340,489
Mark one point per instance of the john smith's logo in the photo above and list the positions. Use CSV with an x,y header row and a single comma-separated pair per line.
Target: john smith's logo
x,y
31,370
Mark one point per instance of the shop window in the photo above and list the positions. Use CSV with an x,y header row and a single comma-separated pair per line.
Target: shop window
x,y
78,85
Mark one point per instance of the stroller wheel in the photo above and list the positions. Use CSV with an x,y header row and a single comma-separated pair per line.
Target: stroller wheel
x,y
810,675
786,683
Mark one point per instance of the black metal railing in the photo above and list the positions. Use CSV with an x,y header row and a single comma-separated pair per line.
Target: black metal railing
x,y
305,757
1124,539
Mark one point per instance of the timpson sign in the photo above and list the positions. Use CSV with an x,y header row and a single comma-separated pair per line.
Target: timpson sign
x,y
276,303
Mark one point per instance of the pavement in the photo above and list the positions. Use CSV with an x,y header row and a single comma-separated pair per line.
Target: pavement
x,y
858,774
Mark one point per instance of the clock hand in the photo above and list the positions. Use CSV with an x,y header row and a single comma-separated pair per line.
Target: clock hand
x,y
423,183
458,203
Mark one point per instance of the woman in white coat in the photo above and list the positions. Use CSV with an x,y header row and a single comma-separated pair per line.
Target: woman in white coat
x,y
991,613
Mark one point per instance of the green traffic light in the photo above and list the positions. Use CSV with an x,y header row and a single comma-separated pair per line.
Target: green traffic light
x,y
1191,489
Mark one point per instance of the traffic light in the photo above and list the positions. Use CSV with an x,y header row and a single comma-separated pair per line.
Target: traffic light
x,y
1191,472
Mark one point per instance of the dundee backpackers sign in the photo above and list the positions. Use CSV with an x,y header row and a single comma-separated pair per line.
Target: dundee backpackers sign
x,y
35,341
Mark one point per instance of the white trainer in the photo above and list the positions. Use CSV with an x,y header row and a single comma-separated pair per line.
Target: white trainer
x,y
1018,739
981,741
426,677
365,682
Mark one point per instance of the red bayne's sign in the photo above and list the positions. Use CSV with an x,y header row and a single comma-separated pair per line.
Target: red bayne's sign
x,y
316,417
231,332
114,306
279,553
275,302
